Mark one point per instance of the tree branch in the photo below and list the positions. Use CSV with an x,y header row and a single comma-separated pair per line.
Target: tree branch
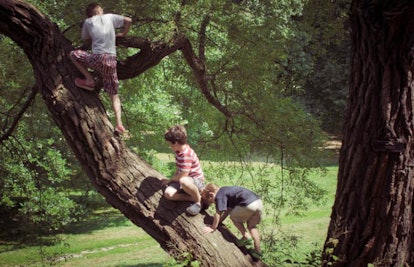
x,y
151,53
16,119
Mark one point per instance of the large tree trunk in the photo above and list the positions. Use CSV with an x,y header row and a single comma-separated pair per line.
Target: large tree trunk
x,y
372,217
126,181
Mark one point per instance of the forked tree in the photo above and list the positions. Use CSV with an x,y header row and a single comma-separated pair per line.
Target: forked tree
x,y
126,181
372,217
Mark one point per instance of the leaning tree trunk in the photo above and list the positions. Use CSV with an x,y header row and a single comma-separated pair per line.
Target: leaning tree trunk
x,y
126,181
372,218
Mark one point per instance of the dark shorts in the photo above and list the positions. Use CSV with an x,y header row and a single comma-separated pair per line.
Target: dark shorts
x,y
105,64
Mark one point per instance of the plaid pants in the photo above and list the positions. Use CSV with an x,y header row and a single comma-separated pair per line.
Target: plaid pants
x,y
105,64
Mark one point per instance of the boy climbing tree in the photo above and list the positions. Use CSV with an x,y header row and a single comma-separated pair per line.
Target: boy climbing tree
x,y
99,28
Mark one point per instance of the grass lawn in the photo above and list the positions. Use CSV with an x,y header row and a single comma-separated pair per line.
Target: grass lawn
x,y
108,239
312,227
119,243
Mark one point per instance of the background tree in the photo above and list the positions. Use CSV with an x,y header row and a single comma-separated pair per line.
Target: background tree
x,y
324,27
371,221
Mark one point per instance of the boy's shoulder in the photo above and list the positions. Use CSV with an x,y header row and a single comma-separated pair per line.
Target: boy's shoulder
x,y
104,16
229,189
188,150
235,190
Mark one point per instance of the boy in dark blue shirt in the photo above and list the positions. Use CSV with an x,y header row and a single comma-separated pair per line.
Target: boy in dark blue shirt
x,y
243,206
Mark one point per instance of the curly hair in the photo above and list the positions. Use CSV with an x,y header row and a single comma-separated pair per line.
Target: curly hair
x,y
175,134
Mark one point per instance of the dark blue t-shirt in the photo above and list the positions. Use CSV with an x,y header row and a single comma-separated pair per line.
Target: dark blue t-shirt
x,y
228,197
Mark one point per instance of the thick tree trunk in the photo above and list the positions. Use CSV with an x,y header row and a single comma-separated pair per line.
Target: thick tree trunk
x,y
126,181
372,218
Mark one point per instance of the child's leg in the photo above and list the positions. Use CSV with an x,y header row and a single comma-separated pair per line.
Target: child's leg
x,y
188,185
116,104
241,228
253,221
191,194
76,56
239,216
171,193
254,232
111,85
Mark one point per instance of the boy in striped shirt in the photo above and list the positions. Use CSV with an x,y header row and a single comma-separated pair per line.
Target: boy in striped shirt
x,y
188,180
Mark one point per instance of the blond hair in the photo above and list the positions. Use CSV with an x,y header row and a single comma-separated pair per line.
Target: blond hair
x,y
210,188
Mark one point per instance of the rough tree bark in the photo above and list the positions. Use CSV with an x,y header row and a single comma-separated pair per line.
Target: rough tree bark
x,y
126,181
372,217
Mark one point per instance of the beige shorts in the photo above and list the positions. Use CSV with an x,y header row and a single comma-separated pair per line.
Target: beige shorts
x,y
252,213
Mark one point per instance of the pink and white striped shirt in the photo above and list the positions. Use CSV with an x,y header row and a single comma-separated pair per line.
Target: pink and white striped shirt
x,y
187,161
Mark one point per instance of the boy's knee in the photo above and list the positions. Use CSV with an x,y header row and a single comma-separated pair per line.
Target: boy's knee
x,y
168,195
188,183
251,227
252,224
75,55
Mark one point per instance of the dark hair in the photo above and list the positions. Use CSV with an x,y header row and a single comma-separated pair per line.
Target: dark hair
x,y
90,9
176,133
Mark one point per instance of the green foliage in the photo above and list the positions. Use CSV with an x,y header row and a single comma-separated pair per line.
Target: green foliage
x,y
186,260
256,57
15,74
149,111
329,251
37,171
313,258
183,259
292,191
278,249
33,171
166,168
33,182
281,250
326,86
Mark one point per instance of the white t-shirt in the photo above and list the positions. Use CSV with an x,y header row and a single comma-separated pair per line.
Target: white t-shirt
x,y
101,30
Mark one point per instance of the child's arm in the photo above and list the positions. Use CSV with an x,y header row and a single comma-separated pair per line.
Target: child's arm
x,y
127,24
224,215
176,177
218,218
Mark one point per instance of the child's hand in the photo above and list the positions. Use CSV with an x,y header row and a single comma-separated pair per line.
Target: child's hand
x,y
207,229
165,182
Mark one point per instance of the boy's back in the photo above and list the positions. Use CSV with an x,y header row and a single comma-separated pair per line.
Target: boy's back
x,y
228,197
187,161
101,30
